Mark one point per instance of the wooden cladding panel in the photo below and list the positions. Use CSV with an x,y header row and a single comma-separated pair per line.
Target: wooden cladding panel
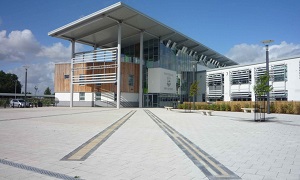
x,y
60,83
128,69
63,85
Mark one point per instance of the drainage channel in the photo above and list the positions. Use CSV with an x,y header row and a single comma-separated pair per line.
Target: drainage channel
x,y
208,165
85,150
37,170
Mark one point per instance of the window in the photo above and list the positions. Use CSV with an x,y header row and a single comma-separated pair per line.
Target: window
x,y
66,76
240,76
278,72
81,78
98,96
131,80
81,96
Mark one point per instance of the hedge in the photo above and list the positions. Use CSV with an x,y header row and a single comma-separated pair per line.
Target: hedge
x,y
283,107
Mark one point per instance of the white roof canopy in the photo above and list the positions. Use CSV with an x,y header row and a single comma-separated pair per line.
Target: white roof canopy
x,y
100,29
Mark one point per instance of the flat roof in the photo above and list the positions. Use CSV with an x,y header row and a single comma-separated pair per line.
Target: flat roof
x,y
252,64
100,29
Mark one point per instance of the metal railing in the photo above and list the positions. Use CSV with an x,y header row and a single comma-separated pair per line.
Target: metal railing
x,y
95,67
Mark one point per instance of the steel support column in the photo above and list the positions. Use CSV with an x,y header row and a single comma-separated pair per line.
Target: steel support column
x,y
119,66
72,73
141,69
268,73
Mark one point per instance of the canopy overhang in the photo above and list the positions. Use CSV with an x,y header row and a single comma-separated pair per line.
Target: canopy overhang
x,y
100,29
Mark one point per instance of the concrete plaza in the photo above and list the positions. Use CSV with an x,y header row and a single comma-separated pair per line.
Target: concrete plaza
x,y
41,143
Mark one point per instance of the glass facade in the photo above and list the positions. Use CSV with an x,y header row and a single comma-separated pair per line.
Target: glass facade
x,y
175,60
157,55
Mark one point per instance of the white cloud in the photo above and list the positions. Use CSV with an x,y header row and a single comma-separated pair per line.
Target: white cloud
x,y
58,52
20,48
249,53
18,45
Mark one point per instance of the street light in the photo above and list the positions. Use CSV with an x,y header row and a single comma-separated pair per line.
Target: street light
x,y
26,67
15,89
266,43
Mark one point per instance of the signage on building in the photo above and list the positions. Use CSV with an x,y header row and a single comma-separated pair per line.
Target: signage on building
x,y
161,81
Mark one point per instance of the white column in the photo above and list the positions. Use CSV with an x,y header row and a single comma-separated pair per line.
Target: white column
x,y
141,69
93,90
71,74
119,66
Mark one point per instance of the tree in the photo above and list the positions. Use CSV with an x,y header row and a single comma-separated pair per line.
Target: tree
x,y
261,88
9,82
194,90
47,91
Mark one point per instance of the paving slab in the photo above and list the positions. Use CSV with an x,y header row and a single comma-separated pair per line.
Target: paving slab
x,y
141,149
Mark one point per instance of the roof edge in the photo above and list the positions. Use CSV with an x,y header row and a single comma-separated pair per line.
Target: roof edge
x,y
54,32
251,64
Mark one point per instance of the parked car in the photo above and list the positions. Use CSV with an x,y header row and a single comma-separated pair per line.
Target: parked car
x,y
18,103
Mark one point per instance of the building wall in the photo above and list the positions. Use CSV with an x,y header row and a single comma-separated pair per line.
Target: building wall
x,y
291,84
107,99
63,85
129,91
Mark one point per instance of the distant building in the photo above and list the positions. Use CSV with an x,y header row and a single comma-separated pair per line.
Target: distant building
x,y
235,83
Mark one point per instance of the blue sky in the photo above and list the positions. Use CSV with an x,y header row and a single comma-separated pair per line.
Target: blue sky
x,y
234,28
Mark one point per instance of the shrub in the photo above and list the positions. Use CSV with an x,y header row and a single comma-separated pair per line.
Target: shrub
x,y
236,108
223,107
217,107
289,108
186,106
180,106
272,108
247,105
214,107
297,108
283,108
194,107
228,107
278,108
204,106
2,102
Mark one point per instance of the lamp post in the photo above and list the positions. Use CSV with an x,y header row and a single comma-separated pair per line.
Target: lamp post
x,y
266,43
26,67
15,89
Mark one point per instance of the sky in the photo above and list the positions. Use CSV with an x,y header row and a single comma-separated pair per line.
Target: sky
x,y
234,28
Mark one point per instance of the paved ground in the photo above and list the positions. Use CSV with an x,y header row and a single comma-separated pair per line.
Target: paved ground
x,y
103,143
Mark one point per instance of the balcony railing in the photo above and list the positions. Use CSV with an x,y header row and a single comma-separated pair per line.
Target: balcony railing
x,y
95,67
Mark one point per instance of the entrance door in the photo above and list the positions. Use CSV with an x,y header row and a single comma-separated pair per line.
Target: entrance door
x,y
148,100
